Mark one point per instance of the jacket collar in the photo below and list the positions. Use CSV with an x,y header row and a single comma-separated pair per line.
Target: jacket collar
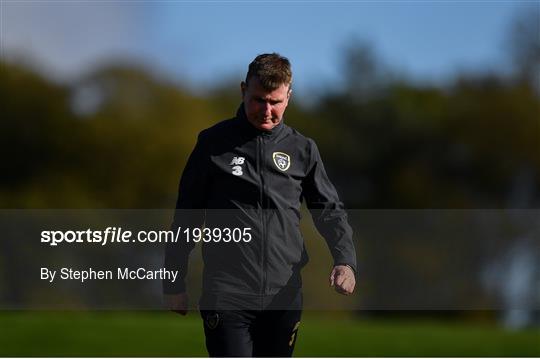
x,y
249,129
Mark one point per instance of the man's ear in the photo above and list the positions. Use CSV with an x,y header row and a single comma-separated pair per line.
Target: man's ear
x,y
243,87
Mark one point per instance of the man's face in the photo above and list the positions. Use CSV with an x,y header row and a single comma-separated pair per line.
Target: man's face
x,y
264,109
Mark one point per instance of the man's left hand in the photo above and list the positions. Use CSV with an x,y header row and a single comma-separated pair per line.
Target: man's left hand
x,y
342,279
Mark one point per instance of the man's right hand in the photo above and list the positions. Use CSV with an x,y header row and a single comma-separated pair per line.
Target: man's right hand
x,y
177,303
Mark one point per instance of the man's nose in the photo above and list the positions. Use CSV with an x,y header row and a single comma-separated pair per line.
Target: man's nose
x,y
267,109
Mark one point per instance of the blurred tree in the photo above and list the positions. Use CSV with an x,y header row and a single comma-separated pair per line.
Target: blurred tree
x,y
523,42
38,154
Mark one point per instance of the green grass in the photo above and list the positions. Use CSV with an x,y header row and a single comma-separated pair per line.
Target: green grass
x,y
167,334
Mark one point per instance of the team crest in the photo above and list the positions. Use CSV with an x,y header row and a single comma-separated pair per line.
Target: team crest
x,y
282,160
212,320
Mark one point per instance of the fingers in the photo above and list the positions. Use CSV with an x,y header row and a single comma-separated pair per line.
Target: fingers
x,y
344,282
181,312
178,303
348,286
180,308
345,289
342,288
332,275
340,279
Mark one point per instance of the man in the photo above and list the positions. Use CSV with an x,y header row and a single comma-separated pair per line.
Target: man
x,y
252,173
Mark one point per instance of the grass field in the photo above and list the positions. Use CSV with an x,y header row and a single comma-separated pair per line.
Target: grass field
x,y
167,334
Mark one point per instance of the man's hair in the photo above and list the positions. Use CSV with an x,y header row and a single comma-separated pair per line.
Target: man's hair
x,y
272,70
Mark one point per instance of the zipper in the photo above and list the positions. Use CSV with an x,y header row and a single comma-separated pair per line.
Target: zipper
x,y
265,215
260,143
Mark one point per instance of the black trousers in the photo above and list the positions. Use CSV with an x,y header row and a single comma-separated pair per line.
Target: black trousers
x,y
251,333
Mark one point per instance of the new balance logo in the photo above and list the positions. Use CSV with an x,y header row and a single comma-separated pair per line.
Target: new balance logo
x,y
237,163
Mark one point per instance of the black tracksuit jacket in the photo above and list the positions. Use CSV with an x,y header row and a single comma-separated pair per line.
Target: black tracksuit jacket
x,y
238,176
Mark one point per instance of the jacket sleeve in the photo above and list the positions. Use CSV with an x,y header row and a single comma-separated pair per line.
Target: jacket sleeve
x,y
189,213
328,211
